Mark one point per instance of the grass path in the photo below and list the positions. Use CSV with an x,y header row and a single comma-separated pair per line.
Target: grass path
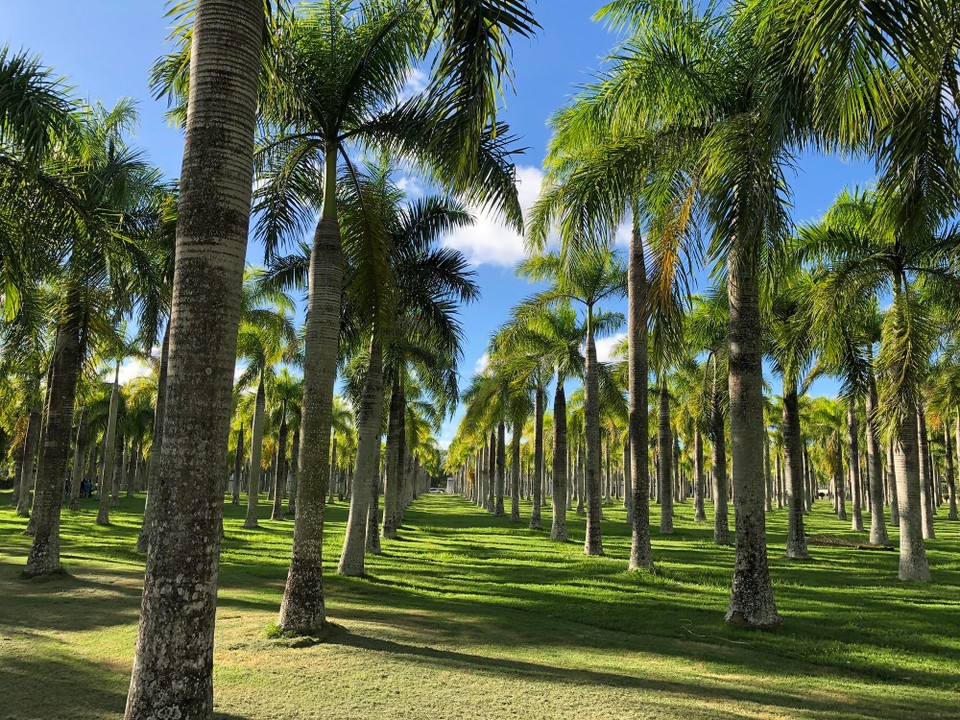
x,y
470,616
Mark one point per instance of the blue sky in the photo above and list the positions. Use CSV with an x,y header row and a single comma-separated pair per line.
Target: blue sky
x,y
106,47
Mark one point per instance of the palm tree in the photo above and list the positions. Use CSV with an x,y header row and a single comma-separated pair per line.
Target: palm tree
x,y
102,271
400,291
589,278
172,671
266,337
317,116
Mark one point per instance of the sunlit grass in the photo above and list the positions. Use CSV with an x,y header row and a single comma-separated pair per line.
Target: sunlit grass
x,y
470,616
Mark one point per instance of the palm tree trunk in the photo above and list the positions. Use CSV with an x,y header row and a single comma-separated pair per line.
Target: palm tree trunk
x,y
558,528
638,421
294,474
280,478
515,469
391,490
372,539
365,470
490,502
751,597
109,450
878,527
303,610
913,555
501,469
592,544
78,457
665,445
172,672
767,471
54,443
926,481
894,485
237,468
27,474
256,451
537,479
699,484
950,478
854,427
718,461
793,468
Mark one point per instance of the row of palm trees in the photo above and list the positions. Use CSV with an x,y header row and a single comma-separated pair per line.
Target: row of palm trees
x,y
312,99
689,133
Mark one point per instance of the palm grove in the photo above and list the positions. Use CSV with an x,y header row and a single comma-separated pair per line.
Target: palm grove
x,y
298,121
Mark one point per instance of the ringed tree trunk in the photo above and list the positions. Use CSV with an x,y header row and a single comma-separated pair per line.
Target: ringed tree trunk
x,y
854,427
54,455
294,474
365,469
172,671
592,544
27,475
256,451
558,528
391,489
665,441
699,483
793,469
906,456
109,451
751,597
372,539
333,468
537,479
892,477
78,461
515,469
638,420
303,610
718,451
878,527
951,481
280,476
926,481
238,467
501,469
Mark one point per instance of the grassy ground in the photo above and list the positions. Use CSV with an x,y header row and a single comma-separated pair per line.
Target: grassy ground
x,y
470,616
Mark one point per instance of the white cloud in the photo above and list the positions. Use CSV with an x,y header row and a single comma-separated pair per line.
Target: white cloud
x,y
133,368
606,346
415,84
444,443
481,364
411,186
489,241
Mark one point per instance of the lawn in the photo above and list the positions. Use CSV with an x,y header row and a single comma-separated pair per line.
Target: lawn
x,y
471,616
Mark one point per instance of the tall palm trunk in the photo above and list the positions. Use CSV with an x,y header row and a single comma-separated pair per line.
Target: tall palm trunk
x,y
256,452
718,460
156,447
280,477
237,468
294,474
515,469
913,555
665,445
793,468
391,488
27,474
751,597
638,421
54,455
109,451
592,543
878,527
950,478
767,471
537,479
926,481
894,485
699,482
854,428
491,472
172,671
365,469
333,468
303,610
558,528
79,448
372,538
501,467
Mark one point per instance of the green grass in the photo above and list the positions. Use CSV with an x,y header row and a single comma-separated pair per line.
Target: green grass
x,y
471,616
